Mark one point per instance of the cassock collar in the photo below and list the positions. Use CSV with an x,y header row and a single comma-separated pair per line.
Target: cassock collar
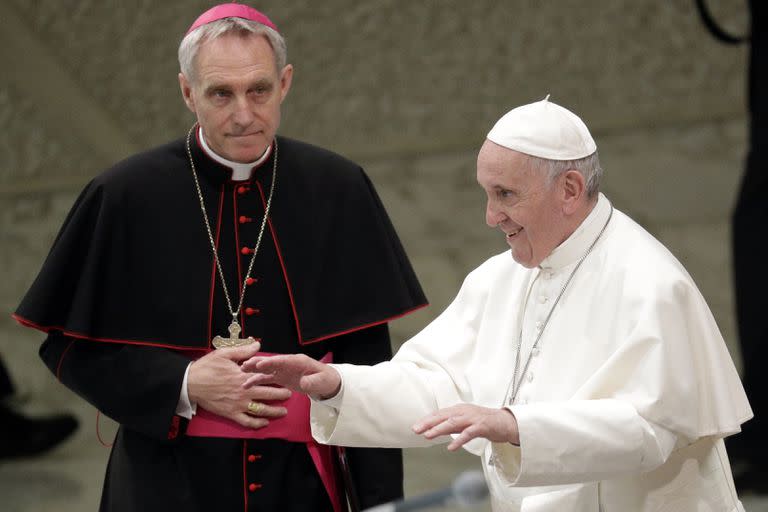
x,y
218,168
577,244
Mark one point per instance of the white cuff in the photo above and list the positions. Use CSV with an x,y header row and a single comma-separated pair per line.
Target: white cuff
x,y
185,408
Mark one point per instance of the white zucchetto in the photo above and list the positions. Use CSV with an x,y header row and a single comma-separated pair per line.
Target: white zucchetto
x,y
544,129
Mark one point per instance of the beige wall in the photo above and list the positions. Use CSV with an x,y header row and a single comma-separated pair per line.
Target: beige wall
x,y
409,89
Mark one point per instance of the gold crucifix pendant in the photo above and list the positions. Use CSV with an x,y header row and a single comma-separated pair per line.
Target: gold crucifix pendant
x,y
234,340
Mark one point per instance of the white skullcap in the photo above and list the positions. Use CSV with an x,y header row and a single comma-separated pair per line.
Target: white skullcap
x,y
545,130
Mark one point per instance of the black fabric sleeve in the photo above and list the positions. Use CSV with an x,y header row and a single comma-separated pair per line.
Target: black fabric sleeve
x,y
377,473
137,386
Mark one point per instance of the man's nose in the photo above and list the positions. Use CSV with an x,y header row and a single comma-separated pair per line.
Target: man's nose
x,y
492,216
243,114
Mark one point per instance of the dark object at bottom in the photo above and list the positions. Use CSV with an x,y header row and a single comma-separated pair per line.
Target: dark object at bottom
x,y
22,436
751,480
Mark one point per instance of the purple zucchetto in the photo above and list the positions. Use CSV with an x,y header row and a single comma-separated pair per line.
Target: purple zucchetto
x,y
231,10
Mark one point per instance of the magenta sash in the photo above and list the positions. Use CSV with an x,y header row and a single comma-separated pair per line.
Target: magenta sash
x,y
292,427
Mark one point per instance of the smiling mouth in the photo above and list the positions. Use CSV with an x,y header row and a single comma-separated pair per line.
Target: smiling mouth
x,y
514,233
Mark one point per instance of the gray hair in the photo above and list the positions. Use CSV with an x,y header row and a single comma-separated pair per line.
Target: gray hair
x,y
589,167
192,42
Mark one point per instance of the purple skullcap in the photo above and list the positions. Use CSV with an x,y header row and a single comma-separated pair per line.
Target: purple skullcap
x,y
232,10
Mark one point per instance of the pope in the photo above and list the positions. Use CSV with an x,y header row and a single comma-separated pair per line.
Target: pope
x,y
586,369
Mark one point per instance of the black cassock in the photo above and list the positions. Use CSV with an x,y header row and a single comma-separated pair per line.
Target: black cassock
x,y
129,294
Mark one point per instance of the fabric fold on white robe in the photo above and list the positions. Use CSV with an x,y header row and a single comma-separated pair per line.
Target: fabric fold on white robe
x,y
630,370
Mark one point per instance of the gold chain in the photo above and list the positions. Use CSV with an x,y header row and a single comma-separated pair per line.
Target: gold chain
x,y
233,312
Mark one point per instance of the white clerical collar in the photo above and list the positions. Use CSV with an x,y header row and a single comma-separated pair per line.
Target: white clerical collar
x,y
240,171
576,245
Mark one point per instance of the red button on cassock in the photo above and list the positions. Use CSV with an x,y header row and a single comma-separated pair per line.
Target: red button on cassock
x,y
246,250
251,458
243,219
252,311
242,189
253,487
251,280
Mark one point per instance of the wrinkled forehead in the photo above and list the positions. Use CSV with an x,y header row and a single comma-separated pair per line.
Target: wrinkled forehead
x,y
495,159
503,168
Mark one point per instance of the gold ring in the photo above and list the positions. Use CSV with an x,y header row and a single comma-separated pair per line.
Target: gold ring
x,y
254,408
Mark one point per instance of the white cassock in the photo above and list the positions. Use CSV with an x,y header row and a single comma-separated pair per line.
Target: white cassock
x,y
624,403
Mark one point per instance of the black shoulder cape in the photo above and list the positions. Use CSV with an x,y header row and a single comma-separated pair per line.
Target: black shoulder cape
x,y
132,262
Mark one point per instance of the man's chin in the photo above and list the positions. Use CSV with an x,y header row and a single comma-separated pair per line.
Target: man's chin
x,y
247,155
525,262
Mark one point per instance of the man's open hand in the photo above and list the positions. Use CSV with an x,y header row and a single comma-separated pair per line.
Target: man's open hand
x,y
296,372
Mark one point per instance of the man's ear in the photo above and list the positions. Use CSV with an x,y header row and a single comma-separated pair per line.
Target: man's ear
x,y
286,77
186,92
574,189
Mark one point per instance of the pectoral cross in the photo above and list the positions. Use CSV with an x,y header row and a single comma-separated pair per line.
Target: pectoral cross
x,y
234,339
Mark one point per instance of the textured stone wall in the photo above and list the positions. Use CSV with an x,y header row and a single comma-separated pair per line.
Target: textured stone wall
x,y
386,76
409,89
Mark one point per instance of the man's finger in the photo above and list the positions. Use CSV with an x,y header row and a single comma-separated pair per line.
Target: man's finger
x,y
249,365
240,353
251,421
288,362
259,379
263,410
466,436
451,425
271,364
430,421
269,393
